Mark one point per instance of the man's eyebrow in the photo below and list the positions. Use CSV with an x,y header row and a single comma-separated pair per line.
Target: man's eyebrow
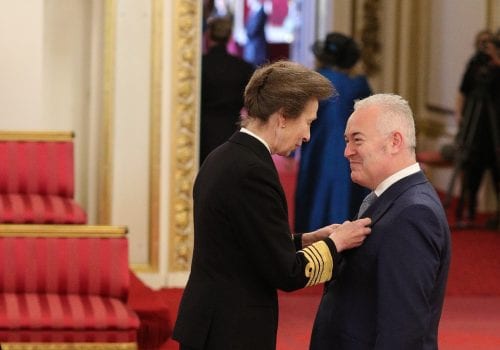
x,y
353,134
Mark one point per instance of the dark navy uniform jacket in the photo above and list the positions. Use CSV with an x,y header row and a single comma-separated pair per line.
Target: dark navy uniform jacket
x,y
243,252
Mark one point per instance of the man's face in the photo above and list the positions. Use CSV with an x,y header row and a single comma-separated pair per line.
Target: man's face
x,y
366,148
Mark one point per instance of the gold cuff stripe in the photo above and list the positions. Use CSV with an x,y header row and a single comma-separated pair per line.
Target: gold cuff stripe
x,y
314,268
319,268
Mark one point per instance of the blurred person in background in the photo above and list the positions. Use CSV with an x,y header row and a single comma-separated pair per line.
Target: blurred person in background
x,y
478,137
325,192
223,81
255,49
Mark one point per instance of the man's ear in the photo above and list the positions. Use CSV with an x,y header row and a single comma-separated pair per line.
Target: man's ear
x,y
397,140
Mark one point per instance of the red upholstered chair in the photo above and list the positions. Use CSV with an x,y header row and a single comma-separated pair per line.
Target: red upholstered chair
x,y
154,313
37,178
65,287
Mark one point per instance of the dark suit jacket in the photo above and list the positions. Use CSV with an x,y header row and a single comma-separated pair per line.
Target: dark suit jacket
x,y
223,81
243,251
389,292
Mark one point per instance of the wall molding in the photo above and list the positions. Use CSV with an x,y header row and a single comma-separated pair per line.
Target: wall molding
x,y
184,150
105,181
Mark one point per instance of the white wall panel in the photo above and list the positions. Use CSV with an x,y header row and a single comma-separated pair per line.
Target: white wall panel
x,y
130,204
454,24
21,47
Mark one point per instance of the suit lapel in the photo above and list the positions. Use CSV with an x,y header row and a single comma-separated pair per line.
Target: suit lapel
x,y
387,199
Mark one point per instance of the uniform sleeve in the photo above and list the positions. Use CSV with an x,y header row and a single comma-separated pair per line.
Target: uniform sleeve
x,y
260,216
297,241
409,262
320,261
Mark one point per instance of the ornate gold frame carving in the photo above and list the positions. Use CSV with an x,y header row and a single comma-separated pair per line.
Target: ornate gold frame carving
x,y
185,96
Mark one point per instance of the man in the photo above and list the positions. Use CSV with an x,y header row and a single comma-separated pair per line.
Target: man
x,y
478,114
389,293
223,81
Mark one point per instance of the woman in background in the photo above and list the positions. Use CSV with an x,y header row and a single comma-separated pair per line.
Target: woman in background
x,y
325,192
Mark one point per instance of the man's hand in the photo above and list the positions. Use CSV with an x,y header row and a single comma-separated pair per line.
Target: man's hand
x,y
350,234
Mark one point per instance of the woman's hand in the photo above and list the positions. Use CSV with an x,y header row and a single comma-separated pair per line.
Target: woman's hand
x,y
322,233
350,234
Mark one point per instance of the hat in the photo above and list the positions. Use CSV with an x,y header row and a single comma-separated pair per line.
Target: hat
x,y
337,50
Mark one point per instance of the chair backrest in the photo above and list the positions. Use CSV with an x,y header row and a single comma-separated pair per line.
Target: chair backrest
x,y
37,163
64,259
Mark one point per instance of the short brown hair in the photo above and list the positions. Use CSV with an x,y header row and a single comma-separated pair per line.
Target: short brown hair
x,y
220,28
284,85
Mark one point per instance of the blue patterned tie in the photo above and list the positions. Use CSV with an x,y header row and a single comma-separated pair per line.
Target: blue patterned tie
x,y
366,203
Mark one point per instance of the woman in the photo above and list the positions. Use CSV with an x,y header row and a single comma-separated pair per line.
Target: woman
x,y
243,248
325,192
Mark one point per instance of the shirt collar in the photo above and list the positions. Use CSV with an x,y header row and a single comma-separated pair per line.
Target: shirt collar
x,y
384,185
246,131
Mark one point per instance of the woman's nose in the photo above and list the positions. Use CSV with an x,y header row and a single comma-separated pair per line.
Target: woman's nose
x,y
307,137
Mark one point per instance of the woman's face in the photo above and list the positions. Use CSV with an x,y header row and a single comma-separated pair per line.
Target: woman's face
x,y
292,132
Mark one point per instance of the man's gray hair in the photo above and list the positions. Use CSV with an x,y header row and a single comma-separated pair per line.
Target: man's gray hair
x,y
394,115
